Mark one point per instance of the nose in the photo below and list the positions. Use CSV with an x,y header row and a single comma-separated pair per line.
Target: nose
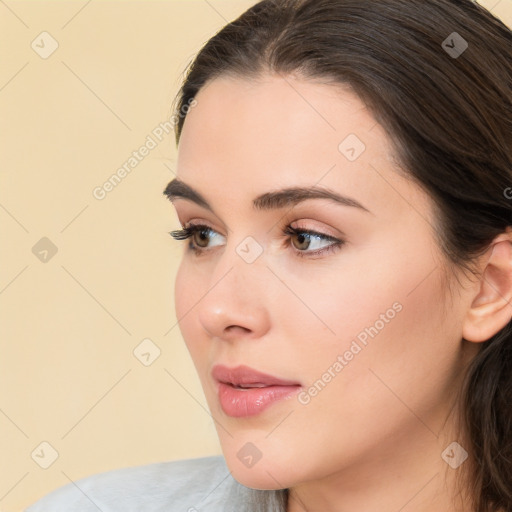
x,y
235,303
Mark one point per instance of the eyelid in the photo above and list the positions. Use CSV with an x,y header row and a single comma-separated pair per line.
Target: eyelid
x,y
290,230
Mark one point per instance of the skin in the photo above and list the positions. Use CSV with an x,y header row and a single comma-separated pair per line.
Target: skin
x,y
372,438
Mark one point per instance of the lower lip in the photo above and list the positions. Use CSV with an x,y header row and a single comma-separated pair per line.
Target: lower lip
x,y
249,402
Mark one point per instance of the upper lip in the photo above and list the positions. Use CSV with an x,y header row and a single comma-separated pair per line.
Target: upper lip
x,y
246,376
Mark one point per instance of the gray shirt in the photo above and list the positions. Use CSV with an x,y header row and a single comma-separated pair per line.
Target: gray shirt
x,y
192,485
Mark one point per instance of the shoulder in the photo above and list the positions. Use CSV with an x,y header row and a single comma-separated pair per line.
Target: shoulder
x,y
190,485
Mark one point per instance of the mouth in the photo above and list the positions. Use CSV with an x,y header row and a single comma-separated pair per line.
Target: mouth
x,y
244,388
244,377
243,391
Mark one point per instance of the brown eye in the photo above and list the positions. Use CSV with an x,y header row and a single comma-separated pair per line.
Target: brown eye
x,y
303,239
200,237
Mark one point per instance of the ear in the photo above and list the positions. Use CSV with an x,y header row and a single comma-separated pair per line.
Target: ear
x,y
491,309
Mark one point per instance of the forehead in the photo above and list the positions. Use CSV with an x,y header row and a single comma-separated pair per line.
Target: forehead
x,y
251,136
263,106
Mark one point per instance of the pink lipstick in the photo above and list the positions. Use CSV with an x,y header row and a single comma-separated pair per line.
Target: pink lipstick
x,y
244,391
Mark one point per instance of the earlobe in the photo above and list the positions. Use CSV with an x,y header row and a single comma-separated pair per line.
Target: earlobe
x,y
491,309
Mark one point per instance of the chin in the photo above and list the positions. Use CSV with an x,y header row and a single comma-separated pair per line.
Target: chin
x,y
257,465
259,476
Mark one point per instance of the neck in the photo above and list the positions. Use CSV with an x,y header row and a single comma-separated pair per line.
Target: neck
x,y
410,475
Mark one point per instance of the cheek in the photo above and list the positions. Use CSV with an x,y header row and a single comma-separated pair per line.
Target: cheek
x,y
389,314
187,294
396,293
182,292
391,351
392,383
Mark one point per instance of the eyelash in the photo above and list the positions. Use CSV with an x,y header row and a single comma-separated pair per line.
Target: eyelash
x,y
189,231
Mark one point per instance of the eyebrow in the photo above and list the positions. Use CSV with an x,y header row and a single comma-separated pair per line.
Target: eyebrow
x,y
178,189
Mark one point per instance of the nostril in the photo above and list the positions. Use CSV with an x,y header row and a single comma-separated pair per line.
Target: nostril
x,y
231,328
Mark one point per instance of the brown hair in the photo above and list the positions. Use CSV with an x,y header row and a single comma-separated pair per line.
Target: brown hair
x,y
447,109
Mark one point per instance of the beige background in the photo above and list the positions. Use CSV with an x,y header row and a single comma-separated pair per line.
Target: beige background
x,y
70,323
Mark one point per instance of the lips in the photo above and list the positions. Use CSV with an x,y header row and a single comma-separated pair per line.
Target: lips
x,y
246,377
243,391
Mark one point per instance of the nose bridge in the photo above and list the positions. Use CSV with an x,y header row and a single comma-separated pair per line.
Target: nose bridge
x,y
242,263
236,289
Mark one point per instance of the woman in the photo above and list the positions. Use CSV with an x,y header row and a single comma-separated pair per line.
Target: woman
x,y
344,183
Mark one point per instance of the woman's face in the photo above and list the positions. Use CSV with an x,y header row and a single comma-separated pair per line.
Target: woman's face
x,y
363,329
